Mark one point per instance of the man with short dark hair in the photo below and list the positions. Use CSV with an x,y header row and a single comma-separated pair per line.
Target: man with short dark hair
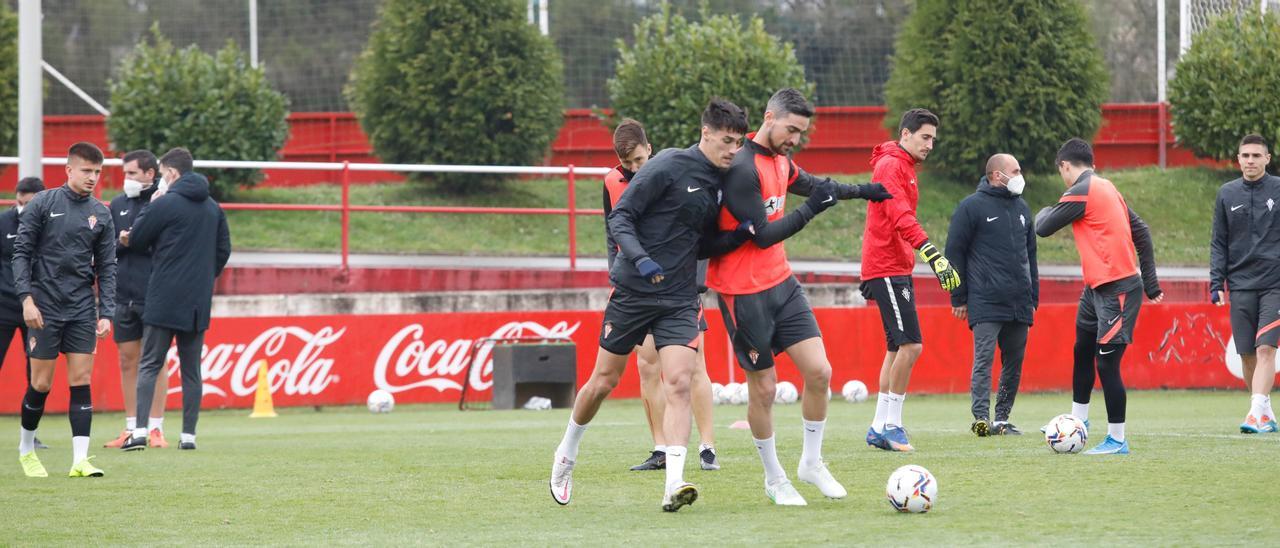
x,y
892,231
141,173
764,307
1119,264
665,221
10,307
65,245
1244,265
186,233
992,243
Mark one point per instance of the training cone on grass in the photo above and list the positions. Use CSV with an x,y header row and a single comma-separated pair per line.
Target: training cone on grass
x,y
262,406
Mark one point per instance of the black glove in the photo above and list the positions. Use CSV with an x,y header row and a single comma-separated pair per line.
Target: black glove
x,y
874,192
746,231
650,270
821,196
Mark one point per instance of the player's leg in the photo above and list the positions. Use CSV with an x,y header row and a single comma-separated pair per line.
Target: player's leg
x,y
130,352
189,348
1120,310
677,374
80,406
1245,328
32,411
910,346
703,405
1013,347
1084,356
810,357
26,358
881,293
654,402
1264,374
155,349
985,335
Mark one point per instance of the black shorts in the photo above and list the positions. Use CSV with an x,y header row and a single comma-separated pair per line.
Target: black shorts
x,y
628,318
1255,319
63,337
127,325
765,324
896,298
1111,310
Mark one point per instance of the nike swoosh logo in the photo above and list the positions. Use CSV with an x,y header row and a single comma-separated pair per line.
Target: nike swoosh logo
x,y
10,236
1237,207
829,199
31,408
989,219
810,430
123,213
52,215
694,188
1113,320
86,408
1101,353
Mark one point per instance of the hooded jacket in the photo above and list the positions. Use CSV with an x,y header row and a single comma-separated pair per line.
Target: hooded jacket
x,y
186,233
992,243
892,230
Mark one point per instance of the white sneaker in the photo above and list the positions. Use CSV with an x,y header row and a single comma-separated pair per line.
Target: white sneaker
x,y
820,476
683,495
562,480
782,493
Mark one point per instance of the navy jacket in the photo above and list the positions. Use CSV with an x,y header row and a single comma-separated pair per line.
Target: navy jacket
x,y
1245,250
992,243
133,265
186,232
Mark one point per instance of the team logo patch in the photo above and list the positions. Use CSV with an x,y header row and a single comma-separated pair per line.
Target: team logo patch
x,y
608,328
1023,218
93,221
1270,204
774,204
32,343
753,355
906,294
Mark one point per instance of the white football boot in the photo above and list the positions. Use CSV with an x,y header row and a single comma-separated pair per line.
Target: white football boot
x,y
562,480
782,493
821,477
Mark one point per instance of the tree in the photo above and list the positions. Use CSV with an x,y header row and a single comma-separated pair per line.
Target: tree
x,y
216,106
458,82
1019,76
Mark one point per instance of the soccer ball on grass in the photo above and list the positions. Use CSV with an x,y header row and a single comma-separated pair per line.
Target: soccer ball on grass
x,y
380,401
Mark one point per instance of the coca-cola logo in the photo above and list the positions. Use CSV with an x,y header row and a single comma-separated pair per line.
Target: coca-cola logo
x,y
302,372
407,361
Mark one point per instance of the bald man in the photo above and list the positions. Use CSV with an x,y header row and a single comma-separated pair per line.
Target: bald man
x,y
992,243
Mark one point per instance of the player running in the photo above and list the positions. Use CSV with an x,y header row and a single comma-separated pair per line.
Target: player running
x,y
1106,233
664,222
764,307
65,244
633,150
891,232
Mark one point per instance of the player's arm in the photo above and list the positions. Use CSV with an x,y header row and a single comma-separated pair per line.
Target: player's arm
x,y
223,251
805,183
647,188
104,266
1218,250
957,249
742,198
1146,255
715,243
146,227
1070,207
30,227
1031,260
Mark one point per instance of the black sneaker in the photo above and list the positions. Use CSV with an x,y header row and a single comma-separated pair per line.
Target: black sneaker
x,y
708,458
40,444
1005,429
134,443
187,446
980,427
656,461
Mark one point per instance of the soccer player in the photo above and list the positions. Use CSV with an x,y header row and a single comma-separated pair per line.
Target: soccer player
x,y
141,173
992,240
1108,235
65,244
664,222
633,150
891,232
764,307
1243,257
187,234
10,307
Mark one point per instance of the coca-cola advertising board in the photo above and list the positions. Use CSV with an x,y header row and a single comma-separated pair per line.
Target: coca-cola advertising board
x,y
420,358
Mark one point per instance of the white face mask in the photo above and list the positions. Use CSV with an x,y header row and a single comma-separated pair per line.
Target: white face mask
x,y
1016,185
133,188
20,208
163,187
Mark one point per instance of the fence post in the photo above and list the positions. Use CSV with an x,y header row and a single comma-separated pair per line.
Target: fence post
x,y
346,214
573,222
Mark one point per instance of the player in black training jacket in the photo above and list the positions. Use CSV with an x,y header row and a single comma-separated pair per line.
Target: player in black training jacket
x,y
664,222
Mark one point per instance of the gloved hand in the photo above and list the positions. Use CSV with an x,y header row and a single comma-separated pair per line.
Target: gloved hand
x,y
650,270
821,196
874,192
947,276
746,231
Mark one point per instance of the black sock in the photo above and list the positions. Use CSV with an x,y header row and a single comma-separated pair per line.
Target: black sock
x,y
1083,372
81,410
32,408
1112,385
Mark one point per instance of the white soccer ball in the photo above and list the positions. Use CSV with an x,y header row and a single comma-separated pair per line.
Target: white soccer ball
x,y
912,489
786,393
1066,434
737,393
854,391
717,393
380,401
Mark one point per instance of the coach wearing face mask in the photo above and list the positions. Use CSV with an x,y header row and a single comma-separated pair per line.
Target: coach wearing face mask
x,y
992,243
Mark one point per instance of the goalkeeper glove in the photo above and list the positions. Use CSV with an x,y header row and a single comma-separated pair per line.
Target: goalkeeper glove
x,y
947,276
874,192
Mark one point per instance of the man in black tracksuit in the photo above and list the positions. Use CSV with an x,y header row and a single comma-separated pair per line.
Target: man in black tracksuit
x,y
187,234
1244,264
664,222
992,243
65,244
10,308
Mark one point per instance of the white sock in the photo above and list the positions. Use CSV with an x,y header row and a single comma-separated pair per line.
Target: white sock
x,y
140,432
769,458
675,466
705,446
895,408
79,448
1266,405
156,423
1116,430
130,423
882,412
1080,411
569,444
812,452
27,441
998,423
186,438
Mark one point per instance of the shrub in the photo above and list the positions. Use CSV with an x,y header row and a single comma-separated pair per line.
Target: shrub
x,y
1019,76
216,106
675,66
458,82
1226,85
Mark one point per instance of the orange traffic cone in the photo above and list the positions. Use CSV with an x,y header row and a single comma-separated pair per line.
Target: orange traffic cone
x,y
262,405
